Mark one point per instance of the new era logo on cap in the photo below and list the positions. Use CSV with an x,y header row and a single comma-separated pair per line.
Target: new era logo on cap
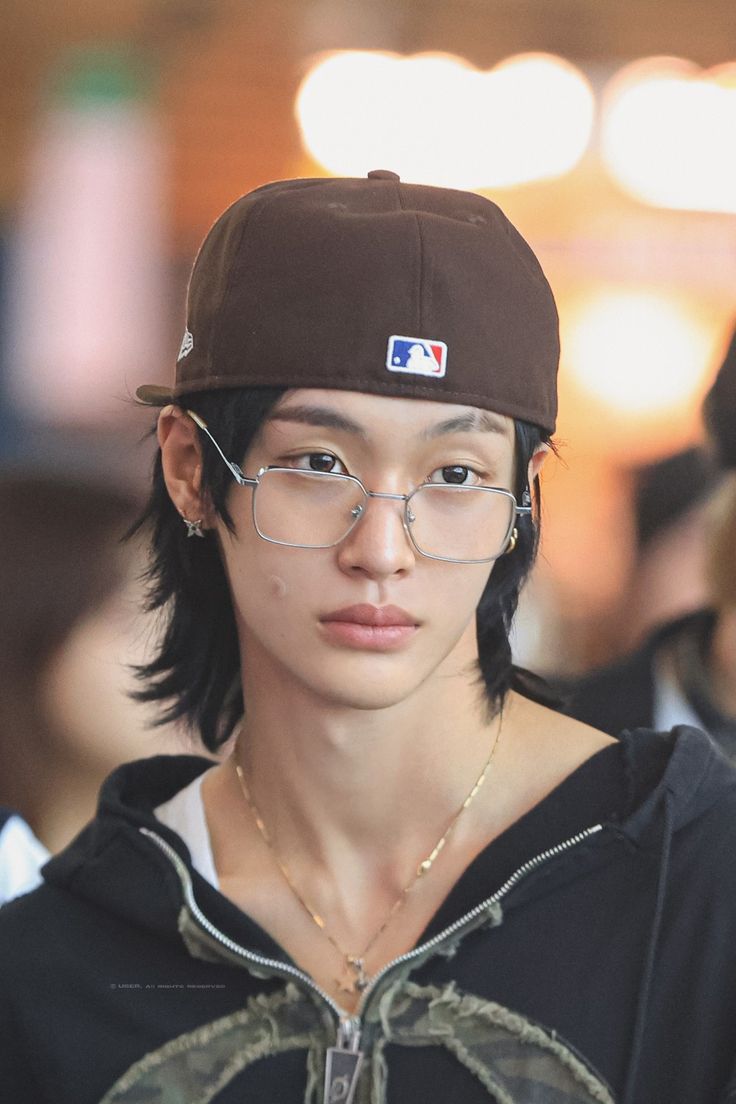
x,y
418,355
187,344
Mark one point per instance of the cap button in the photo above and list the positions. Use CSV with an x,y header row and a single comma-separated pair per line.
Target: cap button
x,y
383,174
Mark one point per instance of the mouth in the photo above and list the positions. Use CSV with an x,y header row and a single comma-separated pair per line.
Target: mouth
x,y
377,616
373,628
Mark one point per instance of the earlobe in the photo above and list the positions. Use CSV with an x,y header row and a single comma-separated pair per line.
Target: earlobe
x,y
181,459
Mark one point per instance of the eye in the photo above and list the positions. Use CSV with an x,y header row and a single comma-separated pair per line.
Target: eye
x,y
458,475
320,462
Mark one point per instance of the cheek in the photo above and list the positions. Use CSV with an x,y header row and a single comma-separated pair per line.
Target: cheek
x,y
452,598
458,589
270,585
277,586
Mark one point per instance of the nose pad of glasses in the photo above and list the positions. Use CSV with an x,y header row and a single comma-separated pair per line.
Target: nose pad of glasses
x,y
410,516
357,511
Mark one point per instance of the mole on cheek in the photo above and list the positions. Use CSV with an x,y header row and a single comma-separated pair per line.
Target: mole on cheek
x,y
278,586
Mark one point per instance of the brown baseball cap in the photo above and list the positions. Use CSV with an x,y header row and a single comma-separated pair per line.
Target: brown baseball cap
x,y
719,409
371,285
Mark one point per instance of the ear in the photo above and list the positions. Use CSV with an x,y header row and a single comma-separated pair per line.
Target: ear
x,y
181,457
535,464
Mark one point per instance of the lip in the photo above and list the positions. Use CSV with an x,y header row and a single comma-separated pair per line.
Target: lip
x,y
370,628
375,616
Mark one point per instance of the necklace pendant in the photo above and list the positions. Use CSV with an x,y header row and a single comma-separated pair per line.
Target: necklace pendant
x,y
357,965
355,979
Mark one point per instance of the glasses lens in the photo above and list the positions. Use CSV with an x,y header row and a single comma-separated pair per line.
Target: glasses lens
x,y
461,523
312,509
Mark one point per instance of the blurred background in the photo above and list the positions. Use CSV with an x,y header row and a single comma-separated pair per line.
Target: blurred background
x,y
607,132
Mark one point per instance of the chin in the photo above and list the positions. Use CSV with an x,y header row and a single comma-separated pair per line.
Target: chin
x,y
368,690
368,702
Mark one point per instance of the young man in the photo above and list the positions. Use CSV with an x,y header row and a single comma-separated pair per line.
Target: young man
x,y
406,880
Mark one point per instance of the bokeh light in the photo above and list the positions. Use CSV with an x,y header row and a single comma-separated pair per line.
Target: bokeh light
x,y
639,353
669,134
435,119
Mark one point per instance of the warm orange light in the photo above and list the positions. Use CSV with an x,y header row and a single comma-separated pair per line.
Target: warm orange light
x,y
639,353
435,119
538,118
669,134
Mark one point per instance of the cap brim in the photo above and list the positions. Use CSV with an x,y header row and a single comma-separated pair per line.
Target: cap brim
x,y
153,395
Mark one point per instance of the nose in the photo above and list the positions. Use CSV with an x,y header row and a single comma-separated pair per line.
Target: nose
x,y
378,546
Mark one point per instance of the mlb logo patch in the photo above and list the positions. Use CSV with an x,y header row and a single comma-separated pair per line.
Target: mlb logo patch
x,y
417,355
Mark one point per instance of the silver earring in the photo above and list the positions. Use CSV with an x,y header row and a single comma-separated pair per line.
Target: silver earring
x,y
194,528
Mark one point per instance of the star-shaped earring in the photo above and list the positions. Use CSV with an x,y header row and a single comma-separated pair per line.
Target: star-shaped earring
x,y
194,528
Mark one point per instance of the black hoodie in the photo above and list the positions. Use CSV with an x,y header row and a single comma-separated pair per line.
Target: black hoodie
x,y
577,960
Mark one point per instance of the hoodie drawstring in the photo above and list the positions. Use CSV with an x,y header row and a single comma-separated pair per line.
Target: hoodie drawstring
x,y
646,981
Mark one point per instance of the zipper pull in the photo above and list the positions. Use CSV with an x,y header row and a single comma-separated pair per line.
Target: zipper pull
x,y
344,1062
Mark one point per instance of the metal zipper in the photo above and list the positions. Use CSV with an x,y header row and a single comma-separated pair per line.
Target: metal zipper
x,y
259,960
526,868
349,1026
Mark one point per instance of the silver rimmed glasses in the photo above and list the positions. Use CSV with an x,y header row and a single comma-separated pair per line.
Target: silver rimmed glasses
x,y
301,508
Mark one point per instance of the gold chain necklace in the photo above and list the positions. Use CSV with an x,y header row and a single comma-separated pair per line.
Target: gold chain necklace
x,y
356,979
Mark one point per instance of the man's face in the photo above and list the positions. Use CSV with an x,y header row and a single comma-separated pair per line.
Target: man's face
x,y
296,607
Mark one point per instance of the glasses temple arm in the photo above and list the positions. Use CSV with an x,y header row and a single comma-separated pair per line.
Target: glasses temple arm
x,y
234,468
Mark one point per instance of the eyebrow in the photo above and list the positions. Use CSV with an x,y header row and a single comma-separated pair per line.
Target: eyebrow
x,y
322,416
471,421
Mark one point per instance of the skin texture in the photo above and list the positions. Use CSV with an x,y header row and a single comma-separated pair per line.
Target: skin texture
x,y
282,593
357,757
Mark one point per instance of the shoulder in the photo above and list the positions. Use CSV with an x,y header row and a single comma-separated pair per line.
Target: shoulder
x,y
554,744
685,793
30,914
565,736
29,933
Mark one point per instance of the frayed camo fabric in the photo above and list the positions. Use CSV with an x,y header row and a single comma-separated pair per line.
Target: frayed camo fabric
x,y
195,1067
515,1060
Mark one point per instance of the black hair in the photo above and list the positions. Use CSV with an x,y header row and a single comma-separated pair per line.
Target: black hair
x,y
195,673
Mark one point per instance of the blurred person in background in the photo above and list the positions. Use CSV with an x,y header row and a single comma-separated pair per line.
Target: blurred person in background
x,y
668,575
68,627
408,879
685,672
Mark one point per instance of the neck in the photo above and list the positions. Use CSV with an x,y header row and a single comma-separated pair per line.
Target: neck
x,y
353,800
376,782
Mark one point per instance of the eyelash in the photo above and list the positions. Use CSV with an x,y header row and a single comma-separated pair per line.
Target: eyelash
x,y
308,456
481,476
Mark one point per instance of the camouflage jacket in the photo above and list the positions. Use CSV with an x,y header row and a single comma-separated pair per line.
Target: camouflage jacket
x,y
596,967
